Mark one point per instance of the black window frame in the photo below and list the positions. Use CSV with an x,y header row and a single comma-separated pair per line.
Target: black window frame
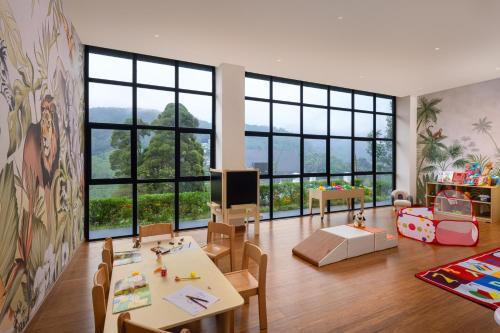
x,y
135,127
270,176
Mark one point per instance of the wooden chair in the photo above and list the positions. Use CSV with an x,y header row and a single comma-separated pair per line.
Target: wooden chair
x,y
247,285
107,258
99,297
221,247
155,230
125,325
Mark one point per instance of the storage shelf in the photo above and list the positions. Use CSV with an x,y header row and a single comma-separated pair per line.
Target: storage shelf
x,y
489,210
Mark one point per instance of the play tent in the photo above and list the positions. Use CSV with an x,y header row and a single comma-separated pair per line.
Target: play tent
x,y
451,221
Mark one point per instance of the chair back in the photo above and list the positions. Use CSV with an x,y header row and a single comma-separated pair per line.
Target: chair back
x,y
214,229
125,325
104,280
108,244
155,230
99,298
252,251
107,258
401,195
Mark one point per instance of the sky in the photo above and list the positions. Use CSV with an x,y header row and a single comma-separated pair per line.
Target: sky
x,y
285,116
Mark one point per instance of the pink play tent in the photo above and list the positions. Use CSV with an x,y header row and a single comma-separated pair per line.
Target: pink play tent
x,y
450,222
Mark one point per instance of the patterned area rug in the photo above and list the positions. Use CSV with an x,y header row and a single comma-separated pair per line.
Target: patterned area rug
x,y
476,278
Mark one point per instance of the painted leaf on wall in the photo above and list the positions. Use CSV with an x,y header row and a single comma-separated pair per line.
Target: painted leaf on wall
x,y
9,220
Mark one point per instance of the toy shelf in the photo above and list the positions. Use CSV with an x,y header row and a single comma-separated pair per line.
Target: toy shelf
x,y
486,211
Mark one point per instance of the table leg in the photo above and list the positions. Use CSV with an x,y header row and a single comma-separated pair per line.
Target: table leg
x,y
228,321
362,202
322,208
310,204
257,222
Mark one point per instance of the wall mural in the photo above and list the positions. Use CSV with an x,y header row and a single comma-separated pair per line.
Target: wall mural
x,y
41,153
456,127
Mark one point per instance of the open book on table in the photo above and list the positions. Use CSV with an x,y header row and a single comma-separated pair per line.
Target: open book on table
x,y
130,293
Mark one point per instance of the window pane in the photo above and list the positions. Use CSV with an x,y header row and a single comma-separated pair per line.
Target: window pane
x,y
340,156
286,155
383,190
286,118
384,104
340,99
256,116
312,95
110,104
193,209
286,197
286,92
195,154
110,68
314,156
110,153
312,183
363,156
110,210
363,125
384,126
339,204
363,102
155,154
195,111
155,107
256,153
340,123
365,182
384,156
155,203
155,74
257,88
265,198
315,121
195,79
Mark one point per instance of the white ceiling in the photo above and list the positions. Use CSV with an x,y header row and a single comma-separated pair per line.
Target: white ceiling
x,y
385,46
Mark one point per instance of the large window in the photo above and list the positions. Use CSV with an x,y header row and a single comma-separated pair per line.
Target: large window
x,y
302,135
149,142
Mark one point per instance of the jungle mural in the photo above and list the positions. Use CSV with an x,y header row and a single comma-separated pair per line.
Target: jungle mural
x,y
455,127
41,153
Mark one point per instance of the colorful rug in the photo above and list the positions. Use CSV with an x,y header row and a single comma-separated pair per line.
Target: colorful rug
x,y
476,278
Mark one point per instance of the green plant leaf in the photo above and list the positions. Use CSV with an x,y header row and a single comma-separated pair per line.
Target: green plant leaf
x,y
9,221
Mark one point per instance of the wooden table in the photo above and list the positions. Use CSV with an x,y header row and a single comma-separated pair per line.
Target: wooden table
x,y
236,212
324,195
163,314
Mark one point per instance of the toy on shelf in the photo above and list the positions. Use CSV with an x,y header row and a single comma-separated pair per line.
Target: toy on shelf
x,y
450,222
359,219
487,169
472,173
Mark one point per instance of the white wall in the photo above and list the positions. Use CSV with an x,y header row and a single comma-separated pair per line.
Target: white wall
x,y
406,144
230,117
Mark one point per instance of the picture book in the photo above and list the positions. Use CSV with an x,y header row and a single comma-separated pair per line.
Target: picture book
x,y
128,257
130,293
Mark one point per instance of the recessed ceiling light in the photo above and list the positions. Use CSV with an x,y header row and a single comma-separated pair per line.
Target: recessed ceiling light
x,y
340,17
156,35
497,69
278,60
437,48
361,76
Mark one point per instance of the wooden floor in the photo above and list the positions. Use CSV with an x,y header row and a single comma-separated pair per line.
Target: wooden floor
x,y
372,293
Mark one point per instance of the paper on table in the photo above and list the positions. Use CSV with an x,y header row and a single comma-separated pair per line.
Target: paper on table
x,y
180,300
124,258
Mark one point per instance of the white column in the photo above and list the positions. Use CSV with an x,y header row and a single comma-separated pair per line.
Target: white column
x,y
230,117
406,144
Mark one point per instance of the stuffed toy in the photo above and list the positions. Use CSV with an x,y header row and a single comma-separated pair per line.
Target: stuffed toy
x,y
487,169
359,219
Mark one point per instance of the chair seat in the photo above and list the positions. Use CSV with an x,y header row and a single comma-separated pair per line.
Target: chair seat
x,y
244,282
402,203
217,249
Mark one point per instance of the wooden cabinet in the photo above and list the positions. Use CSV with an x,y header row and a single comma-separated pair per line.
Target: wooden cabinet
x,y
485,199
